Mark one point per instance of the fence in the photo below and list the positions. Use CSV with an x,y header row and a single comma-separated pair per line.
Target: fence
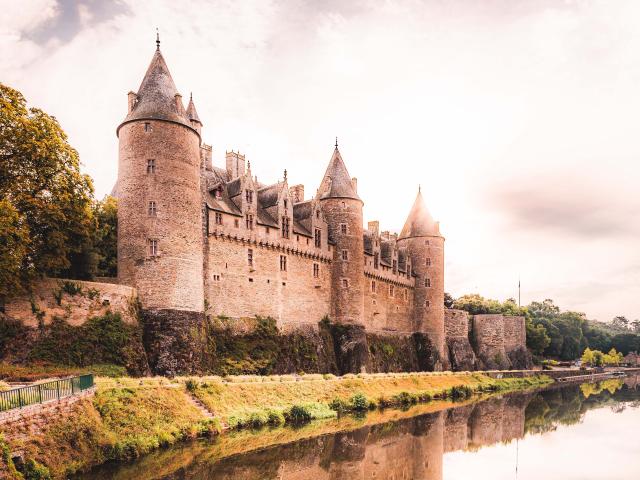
x,y
42,392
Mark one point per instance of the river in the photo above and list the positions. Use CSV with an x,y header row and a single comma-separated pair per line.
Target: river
x,y
567,432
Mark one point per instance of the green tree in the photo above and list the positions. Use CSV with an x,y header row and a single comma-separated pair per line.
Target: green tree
x,y
537,338
587,357
620,322
106,239
40,177
14,239
448,300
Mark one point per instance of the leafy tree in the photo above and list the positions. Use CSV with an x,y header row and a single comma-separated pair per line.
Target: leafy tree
x,y
14,238
51,199
587,357
448,300
635,326
626,342
106,241
537,338
620,322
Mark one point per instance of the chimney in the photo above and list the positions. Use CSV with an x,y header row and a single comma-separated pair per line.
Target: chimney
x,y
385,235
354,182
297,193
131,100
206,153
235,164
374,227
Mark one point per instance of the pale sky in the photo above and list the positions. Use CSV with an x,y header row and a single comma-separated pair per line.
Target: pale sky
x,y
518,118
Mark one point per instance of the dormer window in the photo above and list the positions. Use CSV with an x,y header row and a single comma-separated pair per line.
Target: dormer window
x,y
285,204
249,196
249,221
376,260
395,267
218,192
317,213
318,238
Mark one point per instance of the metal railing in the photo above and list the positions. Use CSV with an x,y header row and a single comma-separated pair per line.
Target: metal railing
x,y
43,392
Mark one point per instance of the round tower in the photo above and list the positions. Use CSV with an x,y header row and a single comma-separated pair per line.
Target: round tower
x,y
342,208
159,200
421,235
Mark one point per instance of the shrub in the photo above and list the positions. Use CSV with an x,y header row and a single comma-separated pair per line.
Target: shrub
x,y
359,402
191,384
35,471
460,392
275,418
299,414
258,419
339,405
404,399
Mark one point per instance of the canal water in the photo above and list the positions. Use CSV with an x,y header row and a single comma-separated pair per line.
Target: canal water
x,y
588,431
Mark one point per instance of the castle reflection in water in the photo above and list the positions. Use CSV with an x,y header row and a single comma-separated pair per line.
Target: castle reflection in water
x,y
412,448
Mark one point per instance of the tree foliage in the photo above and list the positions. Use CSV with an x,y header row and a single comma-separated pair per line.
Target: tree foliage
x,y
49,221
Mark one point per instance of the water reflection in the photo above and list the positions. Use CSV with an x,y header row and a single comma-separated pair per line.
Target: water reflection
x,y
409,448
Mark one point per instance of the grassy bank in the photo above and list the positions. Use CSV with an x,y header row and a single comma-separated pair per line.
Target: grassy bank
x,y
130,417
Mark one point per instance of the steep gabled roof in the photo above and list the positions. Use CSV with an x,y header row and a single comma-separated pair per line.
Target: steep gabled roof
x,y
419,223
156,97
337,182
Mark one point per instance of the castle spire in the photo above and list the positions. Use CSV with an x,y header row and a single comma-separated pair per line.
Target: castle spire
x,y
192,113
419,223
158,97
336,182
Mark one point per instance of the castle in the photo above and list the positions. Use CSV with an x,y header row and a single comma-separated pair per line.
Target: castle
x,y
196,239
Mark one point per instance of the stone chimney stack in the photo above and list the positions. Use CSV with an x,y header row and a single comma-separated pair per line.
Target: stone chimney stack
x,y
206,152
297,193
131,99
374,227
235,164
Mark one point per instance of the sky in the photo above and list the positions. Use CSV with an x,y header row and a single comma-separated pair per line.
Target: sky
x,y
518,118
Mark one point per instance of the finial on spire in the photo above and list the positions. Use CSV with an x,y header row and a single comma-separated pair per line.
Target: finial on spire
x,y
157,39
419,188
336,142
190,95
285,174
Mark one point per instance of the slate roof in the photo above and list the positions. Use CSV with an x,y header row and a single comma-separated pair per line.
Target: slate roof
x,y
192,113
156,96
419,223
336,182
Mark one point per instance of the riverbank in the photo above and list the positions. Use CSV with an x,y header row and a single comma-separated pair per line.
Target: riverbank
x,y
130,417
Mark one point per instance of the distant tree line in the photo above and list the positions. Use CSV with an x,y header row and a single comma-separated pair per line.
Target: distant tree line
x,y
50,222
553,333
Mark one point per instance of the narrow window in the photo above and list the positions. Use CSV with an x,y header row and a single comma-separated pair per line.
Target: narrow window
x,y
376,260
345,283
343,228
147,127
297,238
285,204
427,282
395,267
408,271
152,209
317,213
218,218
283,263
219,192
427,303
373,286
318,238
345,255
249,221
316,270
426,242
236,223
391,290
151,166
285,227
153,247
250,257
428,262
249,196
268,230
344,205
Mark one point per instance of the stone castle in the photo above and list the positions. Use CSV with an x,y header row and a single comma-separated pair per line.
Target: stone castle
x,y
195,239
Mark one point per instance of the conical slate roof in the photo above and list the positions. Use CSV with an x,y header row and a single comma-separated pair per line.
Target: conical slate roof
x,y
156,97
419,223
192,113
337,182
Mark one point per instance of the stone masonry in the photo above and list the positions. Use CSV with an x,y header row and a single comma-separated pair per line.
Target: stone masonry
x,y
195,237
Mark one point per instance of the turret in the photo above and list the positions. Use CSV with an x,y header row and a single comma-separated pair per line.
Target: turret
x,y
342,208
159,207
193,117
421,236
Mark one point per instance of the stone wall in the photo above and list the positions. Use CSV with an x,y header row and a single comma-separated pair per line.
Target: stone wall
x,y
500,342
20,423
456,328
293,297
388,306
49,299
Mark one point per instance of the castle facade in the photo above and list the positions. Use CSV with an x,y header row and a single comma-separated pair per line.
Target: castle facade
x,y
195,237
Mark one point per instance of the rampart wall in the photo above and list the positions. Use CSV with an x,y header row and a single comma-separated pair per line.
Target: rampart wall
x,y
50,298
388,305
